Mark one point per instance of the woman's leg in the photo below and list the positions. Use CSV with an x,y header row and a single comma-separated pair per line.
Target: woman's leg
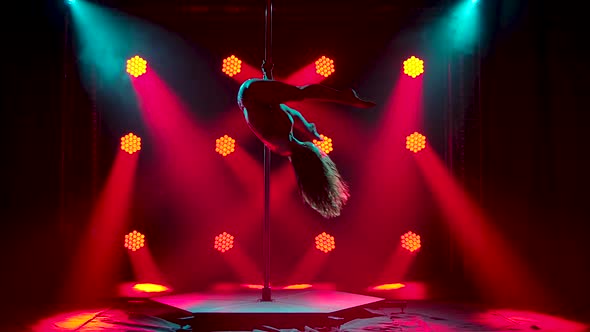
x,y
325,93
301,123
275,92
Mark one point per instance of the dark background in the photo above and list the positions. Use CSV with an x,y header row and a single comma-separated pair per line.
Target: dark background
x,y
529,169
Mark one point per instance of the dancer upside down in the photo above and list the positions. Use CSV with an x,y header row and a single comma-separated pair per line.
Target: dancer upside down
x,y
275,124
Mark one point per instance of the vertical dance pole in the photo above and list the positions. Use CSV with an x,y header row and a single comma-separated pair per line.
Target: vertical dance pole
x,y
267,66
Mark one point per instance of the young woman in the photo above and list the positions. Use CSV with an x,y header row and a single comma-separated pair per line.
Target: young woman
x,y
274,123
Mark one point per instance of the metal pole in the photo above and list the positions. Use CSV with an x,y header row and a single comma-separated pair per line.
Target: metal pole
x,y
267,70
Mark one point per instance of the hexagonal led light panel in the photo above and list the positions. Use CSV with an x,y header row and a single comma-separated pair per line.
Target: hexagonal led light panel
x,y
231,66
224,242
225,145
415,142
411,241
325,242
130,143
136,66
325,145
134,241
413,66
324,66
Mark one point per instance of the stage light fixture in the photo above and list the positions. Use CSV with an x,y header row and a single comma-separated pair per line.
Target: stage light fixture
x,y
324,66
136,66
225,145
411,241
224,242
413,66
325,242
231,66
130,143
134,241
325,145
415,142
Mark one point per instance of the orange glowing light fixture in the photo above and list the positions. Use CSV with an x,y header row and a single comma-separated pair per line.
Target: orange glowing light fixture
x,y
150,288
411,241
225,145
325,145
324,66
224,242
415,142
130,143
325,242
136,66
413,66
134,241
231,66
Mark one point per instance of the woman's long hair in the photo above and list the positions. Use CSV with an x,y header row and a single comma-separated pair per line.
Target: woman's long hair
x,y
318,179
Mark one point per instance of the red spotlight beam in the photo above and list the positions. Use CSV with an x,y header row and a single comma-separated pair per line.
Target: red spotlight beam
x,y
502,275
96,262
398,264
308,267
182,147
389,177
305,75
145,268
243,266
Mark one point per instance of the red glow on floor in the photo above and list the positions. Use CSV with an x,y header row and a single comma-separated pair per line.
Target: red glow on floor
x,y
150,288
531,320
68,321
406,290
298,286
252,286
502,276
389,286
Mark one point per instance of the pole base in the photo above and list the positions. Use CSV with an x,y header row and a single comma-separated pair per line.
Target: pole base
x,y
266,295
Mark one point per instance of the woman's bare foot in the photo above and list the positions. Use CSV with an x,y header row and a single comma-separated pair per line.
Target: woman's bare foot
x,y
313,130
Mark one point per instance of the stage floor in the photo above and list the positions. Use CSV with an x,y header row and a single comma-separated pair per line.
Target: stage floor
x,y
246,313
282,301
